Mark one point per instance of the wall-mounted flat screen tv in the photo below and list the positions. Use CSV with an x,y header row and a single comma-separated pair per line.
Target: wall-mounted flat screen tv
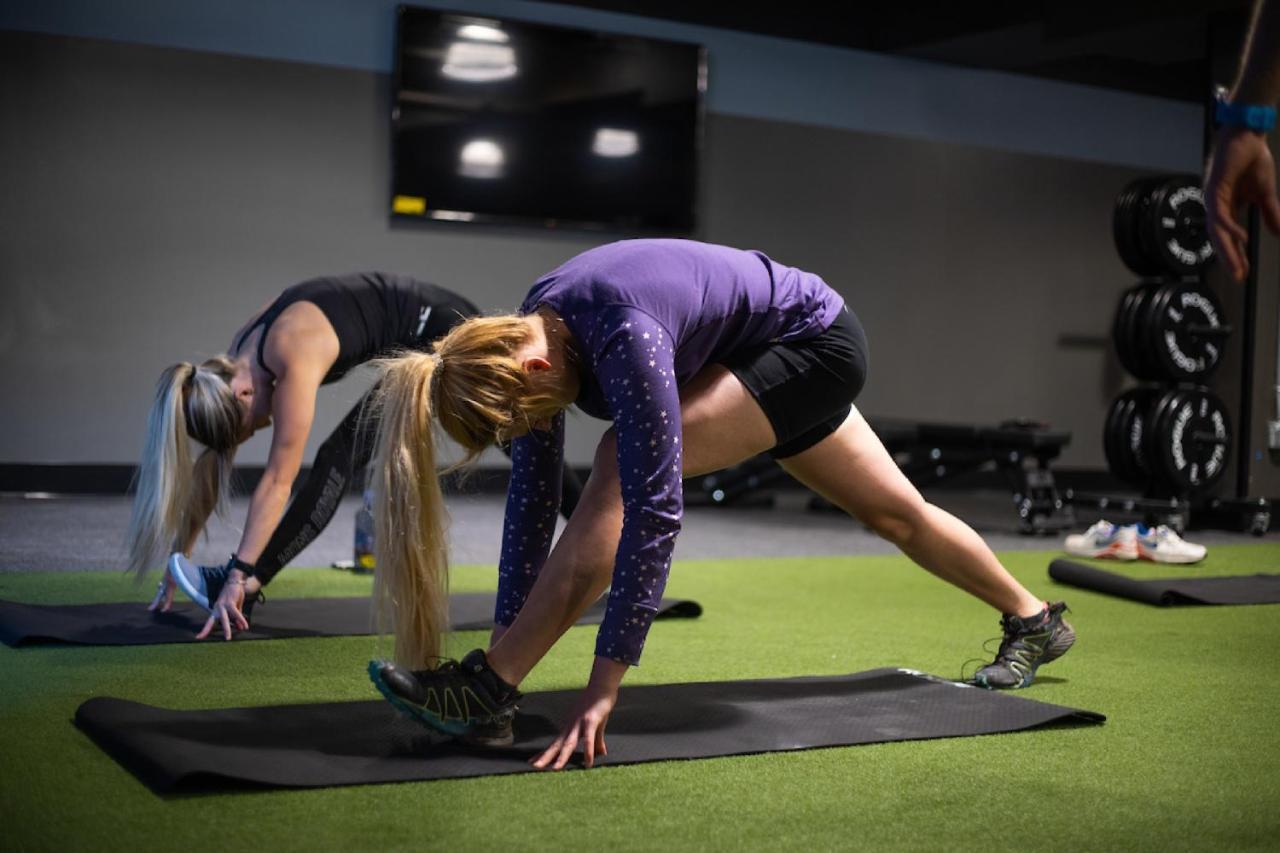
x,y
507,121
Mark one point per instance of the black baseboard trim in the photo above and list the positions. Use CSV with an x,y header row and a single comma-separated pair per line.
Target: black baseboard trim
x,y
79,479
118,480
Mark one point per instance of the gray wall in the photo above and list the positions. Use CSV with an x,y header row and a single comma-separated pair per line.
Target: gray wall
x,y
752,75
155,197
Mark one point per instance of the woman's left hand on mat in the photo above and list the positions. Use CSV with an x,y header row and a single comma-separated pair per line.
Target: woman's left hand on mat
x,y
227,609
588,719
164,594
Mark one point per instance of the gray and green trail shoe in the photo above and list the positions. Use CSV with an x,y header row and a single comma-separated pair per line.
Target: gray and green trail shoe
x,y
1027,644
465,699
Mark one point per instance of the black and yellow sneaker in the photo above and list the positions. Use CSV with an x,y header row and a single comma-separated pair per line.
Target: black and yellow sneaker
x,y
465,699
1027,645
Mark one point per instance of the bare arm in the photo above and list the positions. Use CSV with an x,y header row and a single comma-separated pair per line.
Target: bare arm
x,y
300,349
299,358
293,408
1259,78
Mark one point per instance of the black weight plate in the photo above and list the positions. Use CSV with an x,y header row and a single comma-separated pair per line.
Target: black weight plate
x,y
1120,225
1192,440
1181,344
1124,419
1145,340
1145,236
1174,235
1123,230
1111,440
1119,328
1161,482
1128,428
1143,365
1144,204
1135,429
1127,226
1211,439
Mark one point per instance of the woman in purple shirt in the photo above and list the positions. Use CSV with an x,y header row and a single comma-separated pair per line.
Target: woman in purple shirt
x,y
701,356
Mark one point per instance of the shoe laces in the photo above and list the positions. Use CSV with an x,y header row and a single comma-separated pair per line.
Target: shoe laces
x,y
216,573
1012,631
1101,528
445,665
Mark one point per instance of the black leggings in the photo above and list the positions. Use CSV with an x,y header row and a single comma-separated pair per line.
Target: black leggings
x,y
347,450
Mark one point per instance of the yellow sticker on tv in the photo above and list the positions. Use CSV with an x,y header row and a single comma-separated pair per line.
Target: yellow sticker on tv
x,y
409,204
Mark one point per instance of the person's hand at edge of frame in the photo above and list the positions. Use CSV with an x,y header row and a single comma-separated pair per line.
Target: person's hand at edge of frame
x,y
1241,171
164,594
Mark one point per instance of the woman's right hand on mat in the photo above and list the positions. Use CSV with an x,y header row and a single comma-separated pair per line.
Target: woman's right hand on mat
x,y
164,594
228,608
587,721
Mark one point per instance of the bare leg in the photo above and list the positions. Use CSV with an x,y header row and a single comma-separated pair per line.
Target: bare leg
x,y
581,564
852,469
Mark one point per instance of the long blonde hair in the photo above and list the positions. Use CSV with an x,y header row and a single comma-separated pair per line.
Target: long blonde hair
x,y
479,393
174,495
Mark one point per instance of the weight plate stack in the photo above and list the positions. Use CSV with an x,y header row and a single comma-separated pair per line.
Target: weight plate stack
x,y
1187,440
1181,331
1171,226
1168,440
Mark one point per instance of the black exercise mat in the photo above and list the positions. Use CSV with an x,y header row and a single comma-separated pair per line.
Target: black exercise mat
x,y
356,743
130,624
1167,592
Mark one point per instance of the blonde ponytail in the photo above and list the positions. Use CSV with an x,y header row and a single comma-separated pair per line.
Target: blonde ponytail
x,y
411,587
479,393
173,497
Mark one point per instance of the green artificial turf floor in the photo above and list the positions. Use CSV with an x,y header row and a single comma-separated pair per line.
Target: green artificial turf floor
x,y
1189,757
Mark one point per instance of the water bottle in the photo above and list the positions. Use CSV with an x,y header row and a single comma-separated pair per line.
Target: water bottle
x,y
364,536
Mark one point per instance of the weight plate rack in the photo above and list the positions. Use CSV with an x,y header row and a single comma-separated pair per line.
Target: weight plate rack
x,y
1170,438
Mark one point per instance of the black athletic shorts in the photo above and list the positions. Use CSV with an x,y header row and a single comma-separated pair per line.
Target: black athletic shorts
x,y
807,387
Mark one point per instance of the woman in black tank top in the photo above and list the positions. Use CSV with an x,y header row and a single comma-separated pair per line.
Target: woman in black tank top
x,y
311,335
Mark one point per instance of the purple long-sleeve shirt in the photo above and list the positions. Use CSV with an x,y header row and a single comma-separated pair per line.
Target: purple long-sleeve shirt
x,y
646,316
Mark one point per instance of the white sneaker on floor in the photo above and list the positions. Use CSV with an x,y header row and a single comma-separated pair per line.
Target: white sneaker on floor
x,y
1162,545
1104,539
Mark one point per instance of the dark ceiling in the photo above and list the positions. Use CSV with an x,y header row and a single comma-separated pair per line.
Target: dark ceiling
x,y
1146,46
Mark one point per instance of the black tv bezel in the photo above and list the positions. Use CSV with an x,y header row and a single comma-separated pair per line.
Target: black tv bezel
x,y
469,217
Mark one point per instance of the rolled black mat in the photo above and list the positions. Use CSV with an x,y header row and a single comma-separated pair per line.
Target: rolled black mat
x,y
130,624
1167,592
356,743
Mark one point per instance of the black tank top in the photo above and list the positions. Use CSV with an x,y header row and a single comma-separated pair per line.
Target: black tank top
x,y
371,313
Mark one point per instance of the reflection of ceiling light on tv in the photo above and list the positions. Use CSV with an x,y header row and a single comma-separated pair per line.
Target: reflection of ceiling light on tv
x,y
482,32
612,142
482,158
452,215
476,62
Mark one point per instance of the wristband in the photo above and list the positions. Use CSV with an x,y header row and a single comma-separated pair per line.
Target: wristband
x,y
1255,117
237,563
